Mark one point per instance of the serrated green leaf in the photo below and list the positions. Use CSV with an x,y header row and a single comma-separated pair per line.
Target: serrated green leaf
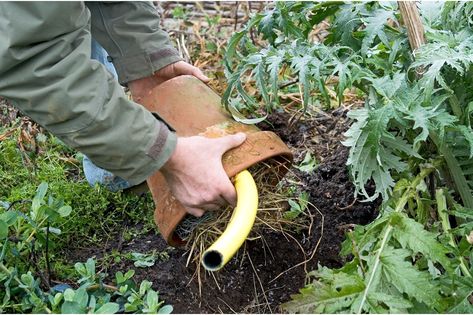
x,y
266,25
410,281
260,78
411,234
395,304
300,65
331,292
439,56
374,27
274,64
368,157
346,20
387,86
236,38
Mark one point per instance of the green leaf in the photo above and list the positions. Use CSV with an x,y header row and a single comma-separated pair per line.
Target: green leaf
x,y
395,304
309,164
240,118
166,309
69,295
90,266
300,65
346,20
108,308
3,230
129,274
39,197
260,73
152,301
374,27
332,292
411,234
440,56
72,308
387,86
145,286
274,63
143,260
468,135
64,211
9,217
52,230
81,297
294,205
407,279
369,157
236,38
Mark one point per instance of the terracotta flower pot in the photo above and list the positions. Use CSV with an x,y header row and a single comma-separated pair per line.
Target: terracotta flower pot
x,y
192,108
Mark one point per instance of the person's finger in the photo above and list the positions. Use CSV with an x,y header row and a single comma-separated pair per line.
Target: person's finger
x,y
228,142
212,206
200,75
228,193
185,68
195,211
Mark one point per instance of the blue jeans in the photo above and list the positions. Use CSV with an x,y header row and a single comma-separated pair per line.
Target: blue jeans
x,y
93,173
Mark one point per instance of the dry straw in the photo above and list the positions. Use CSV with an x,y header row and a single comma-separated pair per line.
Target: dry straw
x,y
200,233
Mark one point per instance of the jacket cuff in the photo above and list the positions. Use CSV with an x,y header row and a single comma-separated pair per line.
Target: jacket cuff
x,y
139,66
159,153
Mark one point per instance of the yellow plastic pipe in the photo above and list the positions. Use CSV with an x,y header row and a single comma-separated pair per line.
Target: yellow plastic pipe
x,y
241,222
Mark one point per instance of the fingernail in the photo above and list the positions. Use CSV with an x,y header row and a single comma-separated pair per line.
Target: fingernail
x,y
241,136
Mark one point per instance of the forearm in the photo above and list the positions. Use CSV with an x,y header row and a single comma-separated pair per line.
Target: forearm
x,y
131,34
52,79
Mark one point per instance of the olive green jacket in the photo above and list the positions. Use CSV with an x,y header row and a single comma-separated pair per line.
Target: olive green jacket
x,y
46,71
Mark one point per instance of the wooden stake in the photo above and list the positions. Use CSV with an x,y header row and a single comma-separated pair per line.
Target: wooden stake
x,y
411,19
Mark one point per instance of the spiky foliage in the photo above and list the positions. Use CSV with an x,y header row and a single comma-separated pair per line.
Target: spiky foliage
x,y
412,139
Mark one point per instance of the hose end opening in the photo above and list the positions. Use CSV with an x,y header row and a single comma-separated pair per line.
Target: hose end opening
x,y
212,260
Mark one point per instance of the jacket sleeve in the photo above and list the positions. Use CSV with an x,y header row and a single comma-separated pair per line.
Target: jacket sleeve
x,y
46,71
130,33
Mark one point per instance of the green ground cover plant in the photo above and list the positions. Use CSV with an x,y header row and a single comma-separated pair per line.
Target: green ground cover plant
x,y
46,205
412,138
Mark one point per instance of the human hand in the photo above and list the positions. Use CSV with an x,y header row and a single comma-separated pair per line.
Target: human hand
x,y
195,173
142,87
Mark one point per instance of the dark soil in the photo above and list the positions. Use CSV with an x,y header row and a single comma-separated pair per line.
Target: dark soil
x,y
260,278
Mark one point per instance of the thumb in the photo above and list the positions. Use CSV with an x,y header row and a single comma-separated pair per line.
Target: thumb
x,y
199,75
228,142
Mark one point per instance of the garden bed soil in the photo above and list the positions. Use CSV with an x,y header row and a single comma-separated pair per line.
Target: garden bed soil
x,y
263,275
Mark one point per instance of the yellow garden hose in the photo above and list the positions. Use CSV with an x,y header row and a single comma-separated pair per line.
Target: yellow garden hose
x,y
241,222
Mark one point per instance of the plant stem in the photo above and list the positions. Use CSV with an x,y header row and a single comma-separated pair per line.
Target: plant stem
x,y
455,106
387,233
455,170
48,266
442,211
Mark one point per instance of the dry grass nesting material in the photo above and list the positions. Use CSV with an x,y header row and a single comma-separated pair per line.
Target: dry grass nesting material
x,y
200,233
